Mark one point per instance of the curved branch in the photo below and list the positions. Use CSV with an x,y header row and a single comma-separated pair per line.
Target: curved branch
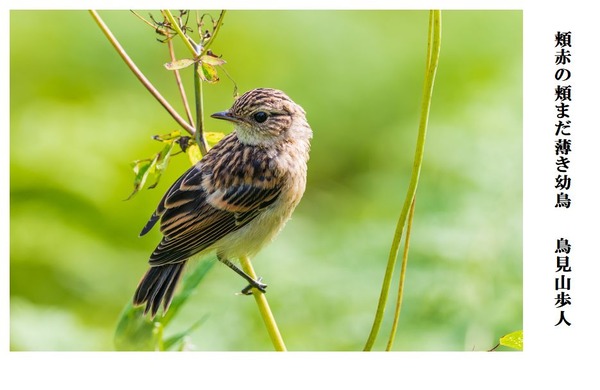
x,y
138,73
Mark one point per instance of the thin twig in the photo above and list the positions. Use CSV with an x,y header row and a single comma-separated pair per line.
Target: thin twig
x,y
144,20
215,31
180,87
263,307
186,40
138,73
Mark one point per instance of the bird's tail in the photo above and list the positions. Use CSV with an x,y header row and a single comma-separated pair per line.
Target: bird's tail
x,y
158,285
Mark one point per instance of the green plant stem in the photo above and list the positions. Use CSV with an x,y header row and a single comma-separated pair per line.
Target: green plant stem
x,y
263,308
191,47
433,51
411,214
200,139
138,73
196,53
215,32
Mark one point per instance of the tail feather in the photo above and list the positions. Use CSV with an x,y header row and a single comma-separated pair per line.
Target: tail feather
x,y
158,285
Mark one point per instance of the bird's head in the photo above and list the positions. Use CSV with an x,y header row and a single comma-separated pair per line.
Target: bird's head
x,y
266,116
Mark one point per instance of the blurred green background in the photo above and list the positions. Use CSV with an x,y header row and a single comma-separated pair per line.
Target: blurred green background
x,y
79,117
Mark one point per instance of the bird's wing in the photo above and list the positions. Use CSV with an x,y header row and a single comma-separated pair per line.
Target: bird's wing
x,y
193,217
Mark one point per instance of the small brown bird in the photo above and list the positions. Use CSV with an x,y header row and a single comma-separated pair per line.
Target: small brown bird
x,y
234,200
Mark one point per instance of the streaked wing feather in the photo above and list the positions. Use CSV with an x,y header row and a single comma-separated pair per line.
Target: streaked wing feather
x,y
193,172
192,220
244,198
197,238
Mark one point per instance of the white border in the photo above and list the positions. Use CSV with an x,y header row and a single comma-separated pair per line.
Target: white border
x,y
553,356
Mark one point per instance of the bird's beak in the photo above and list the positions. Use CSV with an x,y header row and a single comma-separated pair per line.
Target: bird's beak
x,y
226,115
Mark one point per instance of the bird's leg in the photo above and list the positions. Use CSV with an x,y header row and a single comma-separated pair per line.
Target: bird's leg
x,y
252,283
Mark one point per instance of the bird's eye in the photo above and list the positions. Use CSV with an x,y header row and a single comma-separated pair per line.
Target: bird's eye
x,y
260,116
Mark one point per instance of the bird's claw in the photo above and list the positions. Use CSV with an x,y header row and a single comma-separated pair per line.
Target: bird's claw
x,y
255,284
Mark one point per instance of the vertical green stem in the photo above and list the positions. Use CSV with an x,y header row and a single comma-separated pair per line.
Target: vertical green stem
x,y
433,51
411,214
179,32
200,139
263,307
196,51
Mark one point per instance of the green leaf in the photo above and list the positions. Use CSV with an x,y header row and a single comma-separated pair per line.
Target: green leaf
x,y
174,135
142,169
164,155
179,64
162,160
156,166
208,73
134,331
212,60
513,340
179,338
193,153
213,138
190,281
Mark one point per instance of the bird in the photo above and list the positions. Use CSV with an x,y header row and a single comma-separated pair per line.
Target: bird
x,y
235,199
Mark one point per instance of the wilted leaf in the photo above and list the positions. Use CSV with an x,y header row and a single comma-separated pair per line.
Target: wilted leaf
x,y
513,340
208,73
212,60
184,142
179,64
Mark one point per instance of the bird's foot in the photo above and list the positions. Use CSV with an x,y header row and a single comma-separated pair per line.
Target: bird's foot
x,y
255,284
